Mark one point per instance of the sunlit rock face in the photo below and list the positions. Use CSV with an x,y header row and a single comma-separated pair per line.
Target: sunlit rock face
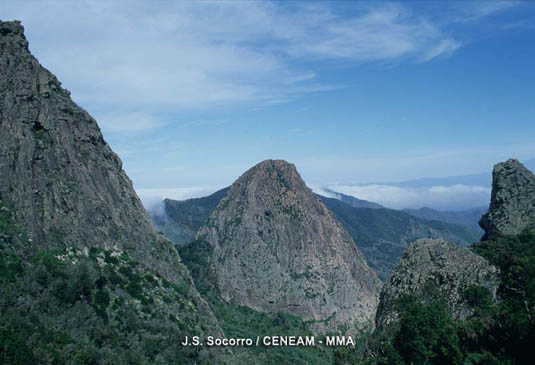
x,y
276,247
435,269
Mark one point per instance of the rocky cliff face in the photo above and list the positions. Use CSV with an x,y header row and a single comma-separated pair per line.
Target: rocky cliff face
x,y
276,247
436,269
512,203
57,171
67,188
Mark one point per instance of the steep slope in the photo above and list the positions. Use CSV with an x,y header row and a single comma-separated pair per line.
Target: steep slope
x,y
383,234
469,217
446,304
512,202
275,247
182,219
354,202
88,258
436,268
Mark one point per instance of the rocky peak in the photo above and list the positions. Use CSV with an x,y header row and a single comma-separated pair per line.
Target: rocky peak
x,y
57,171
276,171
433,268
13,28
62,180
276,247
512,203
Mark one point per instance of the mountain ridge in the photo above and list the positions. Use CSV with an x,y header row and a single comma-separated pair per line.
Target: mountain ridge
x,y
87,256
469,217
383,234
276,247
366,226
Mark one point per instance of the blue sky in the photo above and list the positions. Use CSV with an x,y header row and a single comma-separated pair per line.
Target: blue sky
x,y
191,94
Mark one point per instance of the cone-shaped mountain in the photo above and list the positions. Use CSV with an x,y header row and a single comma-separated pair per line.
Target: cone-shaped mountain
x,y
276,247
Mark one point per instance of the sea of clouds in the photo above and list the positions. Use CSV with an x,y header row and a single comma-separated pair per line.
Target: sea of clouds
x,y
454,197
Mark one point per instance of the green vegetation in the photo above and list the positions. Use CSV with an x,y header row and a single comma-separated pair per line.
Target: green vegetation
x,y
427,334
238,321
184,218
382,234
499,332
513,330
60,306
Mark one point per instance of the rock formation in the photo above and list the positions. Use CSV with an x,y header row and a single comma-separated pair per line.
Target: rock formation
x,y
381,234
68,189
57,171
435,265
512,203
276,247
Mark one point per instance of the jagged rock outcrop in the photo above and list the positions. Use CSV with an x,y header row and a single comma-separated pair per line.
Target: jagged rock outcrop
x,y
276,247
58,173
512,203
67,187
432,268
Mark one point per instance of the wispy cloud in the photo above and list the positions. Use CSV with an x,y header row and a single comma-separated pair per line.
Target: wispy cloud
x,y
445,47
379,32
474,10
152,198
134,55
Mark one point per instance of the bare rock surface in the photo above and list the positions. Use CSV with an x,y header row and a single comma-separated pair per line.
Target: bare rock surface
x,y
276,247
63,180
434,264
512,204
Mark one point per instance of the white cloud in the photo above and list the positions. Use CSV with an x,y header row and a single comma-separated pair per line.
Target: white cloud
x,y
474,10
322,191
152,199
377,33
445,47
131,55
136,55
453,197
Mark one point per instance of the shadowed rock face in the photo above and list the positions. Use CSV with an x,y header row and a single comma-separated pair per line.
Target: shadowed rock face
x,y
512,204
434,267
61,178
276,247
